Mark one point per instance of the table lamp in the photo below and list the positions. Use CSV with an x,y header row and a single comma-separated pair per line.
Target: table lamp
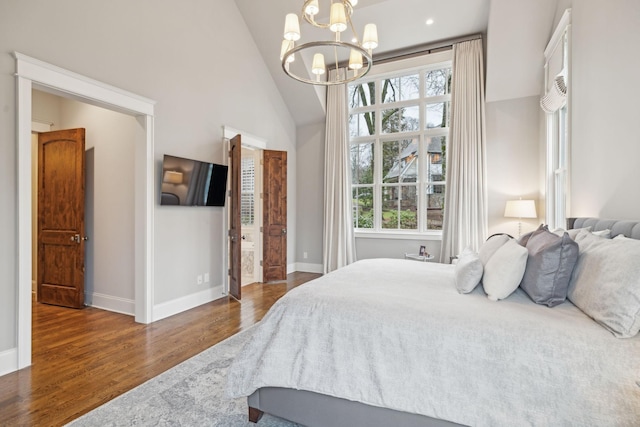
x,y
520,209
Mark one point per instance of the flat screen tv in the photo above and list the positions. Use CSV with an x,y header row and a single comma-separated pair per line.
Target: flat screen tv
x,y
187,182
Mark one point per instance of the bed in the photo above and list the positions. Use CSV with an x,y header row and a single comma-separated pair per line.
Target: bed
x,y
393,343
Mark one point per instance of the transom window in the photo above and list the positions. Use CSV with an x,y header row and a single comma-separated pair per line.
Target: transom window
x,y
399,128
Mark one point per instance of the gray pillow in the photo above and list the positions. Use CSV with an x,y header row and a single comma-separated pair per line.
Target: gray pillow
x,y
525,237
468,271
549,266
605,283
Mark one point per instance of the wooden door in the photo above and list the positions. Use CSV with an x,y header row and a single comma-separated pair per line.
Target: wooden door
x,y
274,214
235,226
61,238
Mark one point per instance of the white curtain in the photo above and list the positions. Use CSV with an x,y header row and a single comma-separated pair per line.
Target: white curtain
x,y
465,209
338,240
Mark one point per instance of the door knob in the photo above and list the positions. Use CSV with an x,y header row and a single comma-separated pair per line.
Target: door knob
x,y
284,231
76,238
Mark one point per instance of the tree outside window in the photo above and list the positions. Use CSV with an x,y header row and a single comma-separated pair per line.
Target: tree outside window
x,y
399,127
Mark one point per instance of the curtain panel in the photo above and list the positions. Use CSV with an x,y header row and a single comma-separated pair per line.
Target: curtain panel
x,y
466,210
339,247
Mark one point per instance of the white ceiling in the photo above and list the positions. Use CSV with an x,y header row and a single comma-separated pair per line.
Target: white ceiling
x,y
514,60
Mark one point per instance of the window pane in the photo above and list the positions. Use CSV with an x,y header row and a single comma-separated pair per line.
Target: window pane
x,y
362,163
435,206
390,207
436,151
437,115
362,95
399,207
401,88
438,82
362,124
363,207
401,119
400,161
247,185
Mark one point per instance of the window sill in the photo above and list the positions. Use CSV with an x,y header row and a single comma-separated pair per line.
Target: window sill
x,y
399,235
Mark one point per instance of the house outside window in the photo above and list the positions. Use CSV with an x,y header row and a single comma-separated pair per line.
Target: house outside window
x,y
399,129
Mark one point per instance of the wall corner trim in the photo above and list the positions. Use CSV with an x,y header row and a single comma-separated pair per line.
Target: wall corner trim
x,y
178,305
8,361
308,267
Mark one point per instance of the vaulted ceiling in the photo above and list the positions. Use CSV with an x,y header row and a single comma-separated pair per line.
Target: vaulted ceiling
x,y
516,33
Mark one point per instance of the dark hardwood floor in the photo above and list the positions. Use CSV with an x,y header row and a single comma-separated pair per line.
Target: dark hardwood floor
x,y
83,358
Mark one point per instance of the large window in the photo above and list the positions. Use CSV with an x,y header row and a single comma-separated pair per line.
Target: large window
x,y
399,128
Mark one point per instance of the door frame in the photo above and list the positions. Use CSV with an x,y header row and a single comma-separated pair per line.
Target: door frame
x,y
32,74
250,141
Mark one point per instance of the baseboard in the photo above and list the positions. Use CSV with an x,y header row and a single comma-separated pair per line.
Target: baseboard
x,y
8,361
111,303
309,268
291,268
178,305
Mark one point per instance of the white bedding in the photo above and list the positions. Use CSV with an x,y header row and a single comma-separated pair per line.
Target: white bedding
x,y
396,334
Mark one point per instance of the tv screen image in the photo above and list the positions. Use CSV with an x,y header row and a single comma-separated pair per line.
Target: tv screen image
x,y
188,182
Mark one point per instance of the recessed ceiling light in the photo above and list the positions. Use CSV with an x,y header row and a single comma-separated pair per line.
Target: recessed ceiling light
x,y
429,21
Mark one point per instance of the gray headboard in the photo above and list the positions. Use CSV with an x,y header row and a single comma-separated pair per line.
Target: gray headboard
x,y
626,227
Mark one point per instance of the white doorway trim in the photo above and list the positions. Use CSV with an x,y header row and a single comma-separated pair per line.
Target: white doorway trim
x,y
35,74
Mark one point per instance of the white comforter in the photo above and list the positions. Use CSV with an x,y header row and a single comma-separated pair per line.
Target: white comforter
x,y
396,334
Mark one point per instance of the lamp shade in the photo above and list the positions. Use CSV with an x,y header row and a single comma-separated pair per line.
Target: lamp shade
x,y
312,8
286,47
291,27
370,37
337,18
355,60
317,67
520,209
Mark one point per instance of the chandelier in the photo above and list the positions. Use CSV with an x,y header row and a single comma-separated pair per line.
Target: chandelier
x,y
334,50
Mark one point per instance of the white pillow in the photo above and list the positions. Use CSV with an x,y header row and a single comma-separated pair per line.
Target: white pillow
x,y
573,233
603,233
605,283
504,271
622,237
468,271
489,247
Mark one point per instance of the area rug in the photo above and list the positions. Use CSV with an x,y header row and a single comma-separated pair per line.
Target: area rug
x,y
189,394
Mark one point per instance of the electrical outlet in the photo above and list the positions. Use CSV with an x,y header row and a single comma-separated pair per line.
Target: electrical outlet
x,y
199,279
206,277
304,255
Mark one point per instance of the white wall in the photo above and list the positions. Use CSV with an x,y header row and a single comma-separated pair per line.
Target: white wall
x,y
109,142
605,109
310,164
394,248
109,139
513,135
183,56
